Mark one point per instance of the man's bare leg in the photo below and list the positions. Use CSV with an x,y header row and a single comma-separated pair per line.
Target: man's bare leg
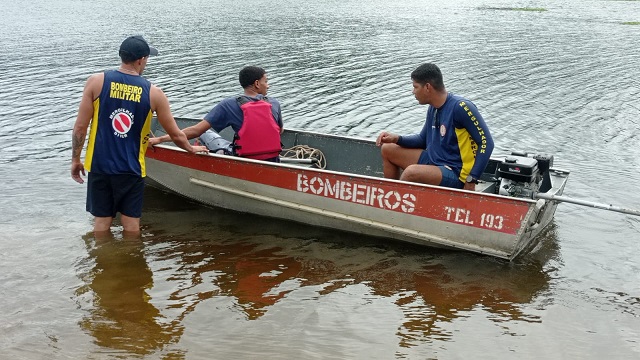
x,y
131,225
396,158
426,174
102,225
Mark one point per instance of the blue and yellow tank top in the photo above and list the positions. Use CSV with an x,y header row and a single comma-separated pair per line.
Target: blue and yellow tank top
x,y
120,126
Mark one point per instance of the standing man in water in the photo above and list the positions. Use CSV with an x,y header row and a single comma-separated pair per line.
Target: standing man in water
x,y
454,145
119,105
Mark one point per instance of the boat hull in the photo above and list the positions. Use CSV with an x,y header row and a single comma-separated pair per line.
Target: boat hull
x,y
429,215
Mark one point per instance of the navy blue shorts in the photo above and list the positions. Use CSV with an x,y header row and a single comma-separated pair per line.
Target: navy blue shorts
x,y
110,194
449,176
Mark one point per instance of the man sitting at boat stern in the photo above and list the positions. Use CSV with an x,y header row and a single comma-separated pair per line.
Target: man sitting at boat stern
x,y
454,145
255,118
119,104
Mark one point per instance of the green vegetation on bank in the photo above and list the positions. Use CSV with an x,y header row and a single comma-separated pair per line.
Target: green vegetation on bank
x,y
631,23
514,8
528,9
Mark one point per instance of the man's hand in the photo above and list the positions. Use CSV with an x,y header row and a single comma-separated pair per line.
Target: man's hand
x,y
155,141
386,137
470,186
76,168
199,149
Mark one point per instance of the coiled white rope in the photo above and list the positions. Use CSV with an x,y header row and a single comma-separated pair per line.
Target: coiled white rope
x,y
305,152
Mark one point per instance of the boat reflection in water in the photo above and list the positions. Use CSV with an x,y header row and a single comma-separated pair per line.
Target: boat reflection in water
x,y
199,254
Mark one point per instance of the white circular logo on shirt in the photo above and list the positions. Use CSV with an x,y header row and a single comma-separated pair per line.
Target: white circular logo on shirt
x,y
121,122
443,130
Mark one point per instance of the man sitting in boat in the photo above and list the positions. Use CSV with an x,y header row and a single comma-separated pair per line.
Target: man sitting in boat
x,y
454,145
256,119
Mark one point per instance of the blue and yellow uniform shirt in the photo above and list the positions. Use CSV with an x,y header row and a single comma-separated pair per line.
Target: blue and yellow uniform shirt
x,y
120,126
454,135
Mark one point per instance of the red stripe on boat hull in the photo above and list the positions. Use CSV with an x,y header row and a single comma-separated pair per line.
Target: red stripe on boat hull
x,y
477,210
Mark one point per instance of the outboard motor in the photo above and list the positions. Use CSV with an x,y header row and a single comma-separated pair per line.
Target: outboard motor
x,y
520,176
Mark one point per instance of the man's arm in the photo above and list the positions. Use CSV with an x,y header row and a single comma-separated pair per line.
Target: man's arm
x,y
85,113
280,123
278,114
412,141
190,132
415,141
160,104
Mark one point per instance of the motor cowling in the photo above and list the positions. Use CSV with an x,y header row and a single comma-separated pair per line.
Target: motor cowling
x,y
520,176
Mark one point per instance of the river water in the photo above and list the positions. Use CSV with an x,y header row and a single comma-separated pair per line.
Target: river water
x,y
208,284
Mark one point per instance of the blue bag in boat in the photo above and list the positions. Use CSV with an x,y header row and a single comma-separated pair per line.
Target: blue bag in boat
x,y
216,143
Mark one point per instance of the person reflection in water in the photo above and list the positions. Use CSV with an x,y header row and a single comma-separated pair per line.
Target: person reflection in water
x,y
122,318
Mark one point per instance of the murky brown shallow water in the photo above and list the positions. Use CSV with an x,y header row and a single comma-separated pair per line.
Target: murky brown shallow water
x,y
206,283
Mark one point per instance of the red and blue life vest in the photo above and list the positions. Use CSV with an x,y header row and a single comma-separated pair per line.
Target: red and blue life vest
x,y
259,135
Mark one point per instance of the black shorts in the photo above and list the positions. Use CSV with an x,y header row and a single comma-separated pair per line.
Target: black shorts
x,y
110,194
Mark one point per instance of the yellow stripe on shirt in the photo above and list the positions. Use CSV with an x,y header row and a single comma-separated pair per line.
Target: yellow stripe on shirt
x,y
468,149
144,142
92,135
